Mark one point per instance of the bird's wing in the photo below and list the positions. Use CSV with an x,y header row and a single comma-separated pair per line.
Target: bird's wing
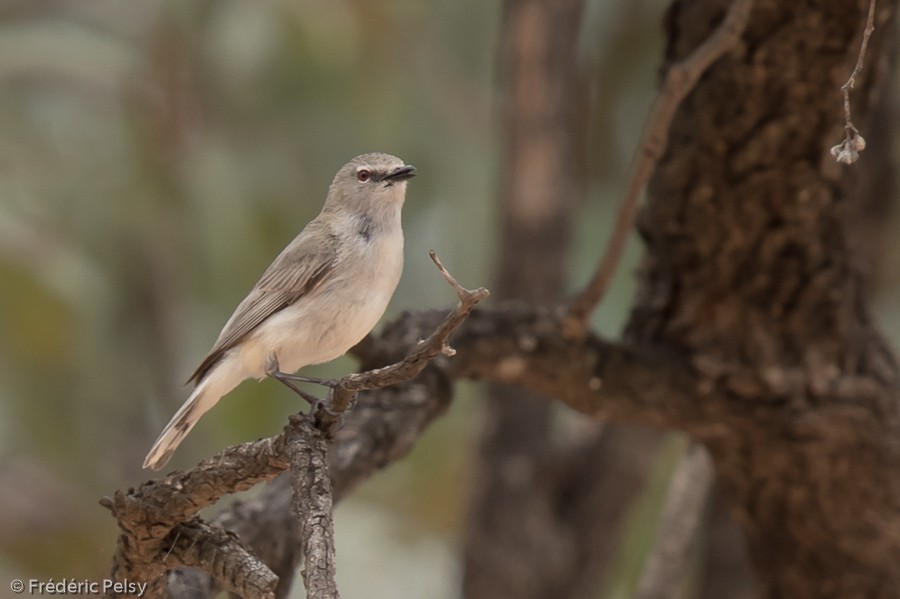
x,y
295,273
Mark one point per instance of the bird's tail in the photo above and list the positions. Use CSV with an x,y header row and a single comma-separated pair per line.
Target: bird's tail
x,y
201,400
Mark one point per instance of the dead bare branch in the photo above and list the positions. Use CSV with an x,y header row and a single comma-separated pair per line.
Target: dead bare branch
x,y
513,343
148,515
328,413
312,503
197,544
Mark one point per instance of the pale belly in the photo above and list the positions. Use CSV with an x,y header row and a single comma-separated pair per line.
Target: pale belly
x,y
316,329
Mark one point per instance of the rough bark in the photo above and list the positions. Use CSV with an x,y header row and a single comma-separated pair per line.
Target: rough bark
x,y
751,274
312,506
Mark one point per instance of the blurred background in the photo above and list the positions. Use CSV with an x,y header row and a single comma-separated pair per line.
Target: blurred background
x,y
156,155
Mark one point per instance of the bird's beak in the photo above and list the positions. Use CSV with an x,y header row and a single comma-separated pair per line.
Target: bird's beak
x,y
402,173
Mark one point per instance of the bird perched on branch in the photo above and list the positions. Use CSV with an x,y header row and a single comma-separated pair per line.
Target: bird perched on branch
x,y
323,293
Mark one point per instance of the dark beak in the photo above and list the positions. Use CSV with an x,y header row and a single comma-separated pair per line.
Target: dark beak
x,y
407,171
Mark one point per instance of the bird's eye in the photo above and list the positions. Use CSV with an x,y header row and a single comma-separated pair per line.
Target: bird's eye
x,y
363,175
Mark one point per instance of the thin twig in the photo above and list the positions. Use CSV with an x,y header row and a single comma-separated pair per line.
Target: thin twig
x,y
680,80
847,152
328,413
669,559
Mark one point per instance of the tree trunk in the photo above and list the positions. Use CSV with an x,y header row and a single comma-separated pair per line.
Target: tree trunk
x,y
515,545
752,271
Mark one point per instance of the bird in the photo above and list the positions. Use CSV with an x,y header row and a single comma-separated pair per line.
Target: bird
x,y
322,294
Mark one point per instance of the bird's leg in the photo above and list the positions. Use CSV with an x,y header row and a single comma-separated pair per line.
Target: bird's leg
x,y
330,383
285,379
274,371
279,376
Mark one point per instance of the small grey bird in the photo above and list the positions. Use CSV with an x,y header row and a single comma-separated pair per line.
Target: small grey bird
x,y
323,293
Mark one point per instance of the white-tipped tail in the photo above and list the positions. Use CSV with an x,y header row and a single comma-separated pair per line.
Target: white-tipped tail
x,y
201,400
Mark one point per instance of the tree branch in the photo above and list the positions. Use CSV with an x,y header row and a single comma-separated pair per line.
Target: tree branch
x,y
148,515
328,414
197,544
312,503
680,80
382,427
641,384
847,152
512,343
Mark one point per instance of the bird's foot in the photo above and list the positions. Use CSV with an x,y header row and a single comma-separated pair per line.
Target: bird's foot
x,y
286,379
279,376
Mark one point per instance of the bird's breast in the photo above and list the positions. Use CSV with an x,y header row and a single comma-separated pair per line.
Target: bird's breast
x,y
344,309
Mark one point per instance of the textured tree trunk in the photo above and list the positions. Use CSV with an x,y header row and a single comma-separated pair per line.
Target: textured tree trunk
x,y
753,272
